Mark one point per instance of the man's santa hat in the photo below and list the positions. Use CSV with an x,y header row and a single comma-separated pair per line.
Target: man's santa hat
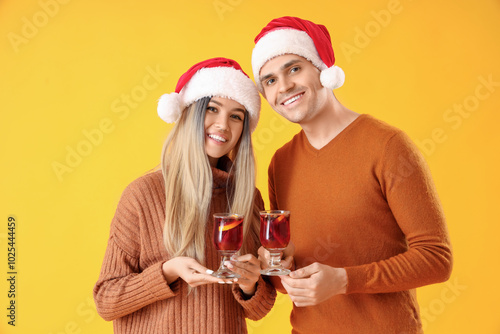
x,y
292,35
219,77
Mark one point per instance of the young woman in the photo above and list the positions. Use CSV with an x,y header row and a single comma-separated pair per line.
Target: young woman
x,y
155,277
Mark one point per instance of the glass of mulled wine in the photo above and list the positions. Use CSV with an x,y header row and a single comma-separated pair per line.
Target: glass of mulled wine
x,y
274,236
228,238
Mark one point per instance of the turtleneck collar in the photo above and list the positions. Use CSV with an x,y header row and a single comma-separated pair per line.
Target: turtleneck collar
x,y
221,173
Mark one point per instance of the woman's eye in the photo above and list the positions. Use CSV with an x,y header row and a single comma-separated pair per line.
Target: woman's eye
x,y
212,109
237,117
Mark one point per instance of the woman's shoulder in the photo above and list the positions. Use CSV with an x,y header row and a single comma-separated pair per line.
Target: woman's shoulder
x,y
152,177
147,186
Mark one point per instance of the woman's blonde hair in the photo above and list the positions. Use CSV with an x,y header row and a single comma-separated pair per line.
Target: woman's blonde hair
x,y
188,185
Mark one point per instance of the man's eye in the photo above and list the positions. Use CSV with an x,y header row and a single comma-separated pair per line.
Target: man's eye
x,y
270,82
294,69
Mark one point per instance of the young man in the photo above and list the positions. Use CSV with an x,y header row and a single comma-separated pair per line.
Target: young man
x,y
366,220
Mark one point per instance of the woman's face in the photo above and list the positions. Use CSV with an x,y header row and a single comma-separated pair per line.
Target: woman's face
x,y
223,127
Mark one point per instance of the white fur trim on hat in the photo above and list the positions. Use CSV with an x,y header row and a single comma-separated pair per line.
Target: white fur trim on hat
x,y
332,77
226,82
291,41
170,107
223,82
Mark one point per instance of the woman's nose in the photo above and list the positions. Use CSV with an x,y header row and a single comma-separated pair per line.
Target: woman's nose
x,y
221,122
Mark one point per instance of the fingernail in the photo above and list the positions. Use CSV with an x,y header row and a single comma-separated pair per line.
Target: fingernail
x,y
235,280
228,264
222,282
210,272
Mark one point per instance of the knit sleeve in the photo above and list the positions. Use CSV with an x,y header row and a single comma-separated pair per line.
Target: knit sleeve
x,y
407,185
122,287
260,303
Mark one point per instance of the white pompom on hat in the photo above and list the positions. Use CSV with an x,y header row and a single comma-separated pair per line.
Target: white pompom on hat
x,y
219,77
292,35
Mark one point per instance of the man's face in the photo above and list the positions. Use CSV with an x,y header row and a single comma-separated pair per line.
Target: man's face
x,y
292,87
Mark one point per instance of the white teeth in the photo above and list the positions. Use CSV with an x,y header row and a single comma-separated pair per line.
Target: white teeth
x,y
293,99
218,138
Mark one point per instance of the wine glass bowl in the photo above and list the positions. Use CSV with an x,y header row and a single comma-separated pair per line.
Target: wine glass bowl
x,y
275,236
227,238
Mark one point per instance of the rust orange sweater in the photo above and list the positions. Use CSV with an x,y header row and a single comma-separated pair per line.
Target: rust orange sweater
x,y
364,202
132,290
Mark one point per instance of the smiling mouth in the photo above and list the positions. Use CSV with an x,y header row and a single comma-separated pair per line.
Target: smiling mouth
x,y
293,99
217,138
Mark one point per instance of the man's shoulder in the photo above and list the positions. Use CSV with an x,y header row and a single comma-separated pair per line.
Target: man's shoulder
x,y
367,131
382,137
376,127
370,135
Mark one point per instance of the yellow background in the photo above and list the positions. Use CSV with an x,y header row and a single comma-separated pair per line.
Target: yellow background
x,y
73,70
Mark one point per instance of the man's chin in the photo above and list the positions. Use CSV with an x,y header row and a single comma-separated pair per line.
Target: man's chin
x,y
290,118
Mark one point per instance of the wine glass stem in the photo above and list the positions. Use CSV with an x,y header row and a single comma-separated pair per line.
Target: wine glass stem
x,y
224,258
275,260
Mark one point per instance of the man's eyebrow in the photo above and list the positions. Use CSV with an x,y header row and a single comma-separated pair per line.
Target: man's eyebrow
x,y
265,77
284,66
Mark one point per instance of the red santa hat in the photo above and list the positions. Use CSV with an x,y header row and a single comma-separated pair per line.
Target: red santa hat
x,y
220,77
292,35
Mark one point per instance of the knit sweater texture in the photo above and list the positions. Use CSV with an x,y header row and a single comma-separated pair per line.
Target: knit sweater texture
x,y
131,289
364,202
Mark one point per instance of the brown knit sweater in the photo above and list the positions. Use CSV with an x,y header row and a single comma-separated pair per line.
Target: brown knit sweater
x,y
132,290
364,202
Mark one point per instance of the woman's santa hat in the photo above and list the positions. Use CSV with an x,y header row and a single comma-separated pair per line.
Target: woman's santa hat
x,y
292,35
219,77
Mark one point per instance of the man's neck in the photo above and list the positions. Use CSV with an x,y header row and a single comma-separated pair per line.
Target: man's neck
x,y
328,124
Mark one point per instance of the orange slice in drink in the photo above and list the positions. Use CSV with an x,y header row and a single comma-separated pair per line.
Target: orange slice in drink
x,y
279,219
230,225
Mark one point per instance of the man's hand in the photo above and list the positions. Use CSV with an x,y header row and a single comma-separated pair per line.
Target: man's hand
x,y
287,256
314,284
190,271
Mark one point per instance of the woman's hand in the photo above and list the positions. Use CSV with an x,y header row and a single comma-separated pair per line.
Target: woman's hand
x,y
190,270
248,267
